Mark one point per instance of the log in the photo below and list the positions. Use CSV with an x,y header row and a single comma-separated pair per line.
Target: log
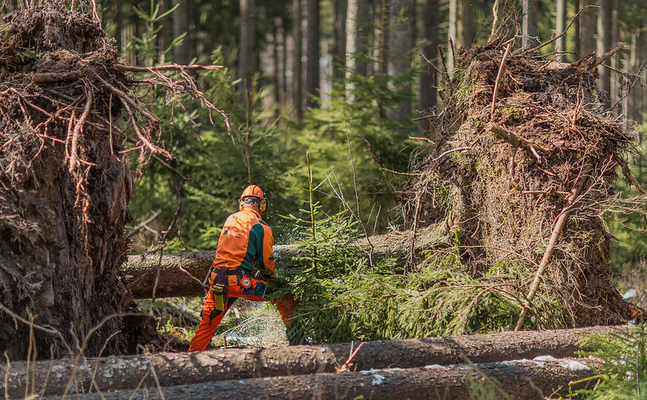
x,y
521,379
117,373
180,274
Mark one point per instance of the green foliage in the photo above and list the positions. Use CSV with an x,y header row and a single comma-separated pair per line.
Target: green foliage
x,y
627,215
343,293
624,373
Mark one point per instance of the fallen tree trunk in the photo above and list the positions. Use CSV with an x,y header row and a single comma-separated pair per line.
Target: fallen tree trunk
x,y
182,274
522,379
179,274
168,369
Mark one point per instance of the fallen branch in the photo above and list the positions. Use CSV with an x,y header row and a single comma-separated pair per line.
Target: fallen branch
x,y
515,140
171,67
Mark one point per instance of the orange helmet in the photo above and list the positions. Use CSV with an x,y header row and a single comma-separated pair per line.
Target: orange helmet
x,y
253,191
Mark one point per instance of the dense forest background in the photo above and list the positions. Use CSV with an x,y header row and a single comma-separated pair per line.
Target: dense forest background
x,y
333,94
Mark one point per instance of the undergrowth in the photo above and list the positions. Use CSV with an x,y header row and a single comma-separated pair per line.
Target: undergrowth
x,y
623,375
344,292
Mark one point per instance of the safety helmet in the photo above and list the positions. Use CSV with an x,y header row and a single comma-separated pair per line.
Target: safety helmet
x,y
254,192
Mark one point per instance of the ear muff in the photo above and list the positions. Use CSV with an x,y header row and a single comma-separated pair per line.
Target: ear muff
x,y
240,205
263,206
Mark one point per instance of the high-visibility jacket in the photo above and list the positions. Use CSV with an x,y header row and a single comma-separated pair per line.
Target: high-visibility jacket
x,y
245,241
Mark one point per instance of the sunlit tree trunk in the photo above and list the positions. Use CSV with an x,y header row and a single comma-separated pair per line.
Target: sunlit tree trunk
x,y
313,52
560,25
357,30
604,44
461,33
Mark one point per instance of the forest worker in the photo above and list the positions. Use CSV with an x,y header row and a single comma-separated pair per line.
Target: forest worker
x,y
244,251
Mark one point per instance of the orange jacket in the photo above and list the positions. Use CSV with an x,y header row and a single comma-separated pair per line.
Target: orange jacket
x,y
246,240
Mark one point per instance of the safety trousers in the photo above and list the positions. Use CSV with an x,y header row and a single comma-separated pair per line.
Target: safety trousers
x,y
241,286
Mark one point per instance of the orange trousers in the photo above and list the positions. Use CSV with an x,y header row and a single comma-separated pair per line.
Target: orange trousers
x,y
239,286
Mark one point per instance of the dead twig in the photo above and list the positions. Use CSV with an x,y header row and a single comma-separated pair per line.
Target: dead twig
x,y
346,366
171,67
563,33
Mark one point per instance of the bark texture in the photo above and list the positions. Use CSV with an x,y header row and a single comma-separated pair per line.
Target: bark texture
x,y
232,364
522,379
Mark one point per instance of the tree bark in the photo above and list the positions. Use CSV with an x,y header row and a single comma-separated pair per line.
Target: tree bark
x,y
313,52
560,25
460,27
357,30
401,41
339,43
233,364
524,379
181,27
530,31
586,23
428,84
604,45
297,63
247,31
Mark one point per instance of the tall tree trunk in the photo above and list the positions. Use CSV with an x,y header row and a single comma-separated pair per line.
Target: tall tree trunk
x,y
428,83
586,39
357,31
401,42
313,53
339,43
604,44
614,93
297,84
560,25
181,53
120,24
246,52
530,31
460,28
276,59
